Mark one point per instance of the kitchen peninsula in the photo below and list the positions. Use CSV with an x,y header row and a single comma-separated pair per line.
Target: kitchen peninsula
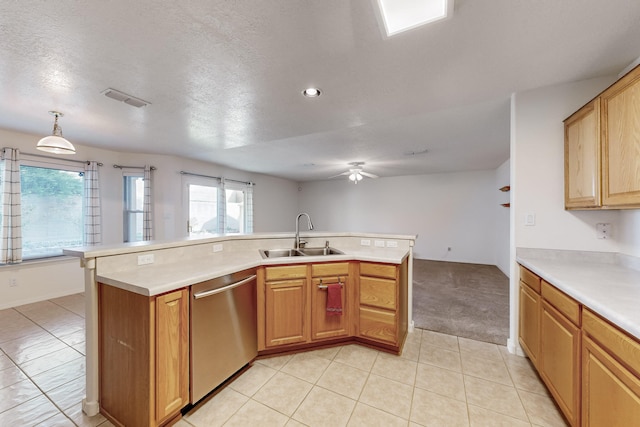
x,y
138,300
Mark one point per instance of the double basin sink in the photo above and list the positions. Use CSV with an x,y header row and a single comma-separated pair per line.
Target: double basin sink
x,y
282,253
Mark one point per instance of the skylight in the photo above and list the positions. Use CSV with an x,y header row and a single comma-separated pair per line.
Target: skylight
x,y
403,15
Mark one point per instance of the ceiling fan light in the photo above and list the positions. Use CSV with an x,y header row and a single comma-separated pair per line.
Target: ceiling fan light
x,y
56,143
352,177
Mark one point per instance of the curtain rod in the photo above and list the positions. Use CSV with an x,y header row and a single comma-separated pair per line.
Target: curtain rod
x,y
216,177
132,167
59,158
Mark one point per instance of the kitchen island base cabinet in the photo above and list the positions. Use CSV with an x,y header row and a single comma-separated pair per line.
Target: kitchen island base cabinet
x,y
286,301
144,356
324,325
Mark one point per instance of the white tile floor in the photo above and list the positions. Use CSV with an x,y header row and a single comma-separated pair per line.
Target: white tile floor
x,y
439,380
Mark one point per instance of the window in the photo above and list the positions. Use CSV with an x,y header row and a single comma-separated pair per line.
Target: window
x,y
52,208
235,221
203,209
133,207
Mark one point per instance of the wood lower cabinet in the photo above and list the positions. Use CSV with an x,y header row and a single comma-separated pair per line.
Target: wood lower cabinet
x,y
382,309
144,356
286,299
529,320
610,369
559,353
323,325
292,301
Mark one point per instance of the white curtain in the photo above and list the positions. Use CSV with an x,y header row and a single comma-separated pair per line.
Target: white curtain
x,y
147,212
222,207
248,208
92,213
11,233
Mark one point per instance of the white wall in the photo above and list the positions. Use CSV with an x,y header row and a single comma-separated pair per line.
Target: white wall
x,y
629,232
537,184
538,160
275,208
456,210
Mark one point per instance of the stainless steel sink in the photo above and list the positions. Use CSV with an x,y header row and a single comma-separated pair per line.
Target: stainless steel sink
x,y
320,251
279,253
283,253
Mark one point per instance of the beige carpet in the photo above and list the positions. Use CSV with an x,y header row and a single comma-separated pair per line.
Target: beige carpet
x,y
466,300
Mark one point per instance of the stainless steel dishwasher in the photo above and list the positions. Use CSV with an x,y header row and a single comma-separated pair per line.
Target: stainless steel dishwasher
x,y
224,335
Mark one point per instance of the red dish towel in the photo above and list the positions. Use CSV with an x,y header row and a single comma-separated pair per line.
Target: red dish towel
x,y
334,299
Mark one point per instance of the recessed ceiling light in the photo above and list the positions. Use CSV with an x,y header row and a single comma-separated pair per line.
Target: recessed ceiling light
x,y
403,15
312,92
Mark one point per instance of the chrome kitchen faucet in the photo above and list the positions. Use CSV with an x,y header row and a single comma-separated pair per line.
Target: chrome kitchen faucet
x,y
297,242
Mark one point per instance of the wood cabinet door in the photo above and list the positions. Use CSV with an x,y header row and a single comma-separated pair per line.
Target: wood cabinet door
x,y
380,325
285,312
323,325
610,392
172,353
529,322
621,141
559,360
582,184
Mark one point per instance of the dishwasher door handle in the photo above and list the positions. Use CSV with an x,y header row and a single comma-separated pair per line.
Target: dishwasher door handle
x,y
205,294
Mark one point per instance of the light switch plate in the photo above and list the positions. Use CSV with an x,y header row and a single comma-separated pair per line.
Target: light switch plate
x,y
379,243
529,219
217,247
392,244
365,242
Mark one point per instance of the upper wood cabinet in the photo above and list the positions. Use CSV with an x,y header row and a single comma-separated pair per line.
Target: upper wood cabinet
x,y
582,157
602,149
621,142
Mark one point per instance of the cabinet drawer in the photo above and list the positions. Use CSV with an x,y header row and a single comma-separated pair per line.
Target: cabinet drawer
x,y
378,270
333,269
563,303
378,324
531,279
624,347
286,272
378,292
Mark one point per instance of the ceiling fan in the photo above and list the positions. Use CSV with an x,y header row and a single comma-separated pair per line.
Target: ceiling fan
x,y
356,173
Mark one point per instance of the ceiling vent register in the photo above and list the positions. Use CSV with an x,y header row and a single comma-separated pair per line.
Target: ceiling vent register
x,y
123,97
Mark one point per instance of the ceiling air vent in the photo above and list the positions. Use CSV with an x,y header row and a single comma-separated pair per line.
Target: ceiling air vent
x,y
123,97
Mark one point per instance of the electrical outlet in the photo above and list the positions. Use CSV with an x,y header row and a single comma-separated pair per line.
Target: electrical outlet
x,y
365,242
379,243
145,259
13,282
217,247
603,230
392,244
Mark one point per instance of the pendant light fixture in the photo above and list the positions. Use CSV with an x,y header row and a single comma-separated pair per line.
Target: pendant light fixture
x,y
56,143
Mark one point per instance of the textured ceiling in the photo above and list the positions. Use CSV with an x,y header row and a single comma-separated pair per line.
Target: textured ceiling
x,y
224,78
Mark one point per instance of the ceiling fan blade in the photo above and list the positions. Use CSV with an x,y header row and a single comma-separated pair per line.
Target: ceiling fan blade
x,y
368,175
340,174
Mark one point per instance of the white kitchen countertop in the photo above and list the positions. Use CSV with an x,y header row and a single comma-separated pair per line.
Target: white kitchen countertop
x,y
160,277
607,287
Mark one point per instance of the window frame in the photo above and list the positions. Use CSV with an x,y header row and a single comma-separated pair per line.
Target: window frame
x,y
55,164
188,180
126,212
